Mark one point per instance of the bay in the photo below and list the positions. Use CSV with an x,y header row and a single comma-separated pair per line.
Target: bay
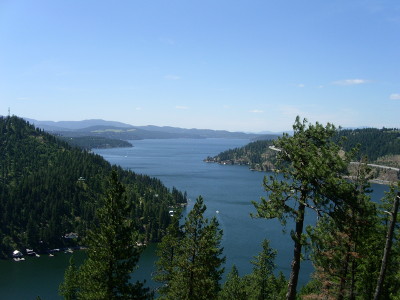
x,y
179,163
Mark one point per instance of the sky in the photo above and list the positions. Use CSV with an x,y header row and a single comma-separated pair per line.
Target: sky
x,y
235,65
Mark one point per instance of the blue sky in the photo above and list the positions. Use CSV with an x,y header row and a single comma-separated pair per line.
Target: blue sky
x,y
234,65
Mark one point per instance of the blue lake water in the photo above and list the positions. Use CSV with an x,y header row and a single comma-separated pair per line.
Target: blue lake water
x,y
179,162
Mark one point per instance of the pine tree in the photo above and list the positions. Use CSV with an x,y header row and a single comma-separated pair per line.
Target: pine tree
x,y
234,287
313,169
340,243
69,289
167,252
263,268
112,251
261,283
388,264
194,269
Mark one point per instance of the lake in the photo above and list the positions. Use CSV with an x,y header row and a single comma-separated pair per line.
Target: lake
x,y
178,162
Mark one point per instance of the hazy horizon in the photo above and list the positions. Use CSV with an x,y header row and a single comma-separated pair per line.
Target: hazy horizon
x,y
248,66
134,125
57,123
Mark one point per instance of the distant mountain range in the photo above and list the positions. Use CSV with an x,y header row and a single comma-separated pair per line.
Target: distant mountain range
x,y
74,125
118,130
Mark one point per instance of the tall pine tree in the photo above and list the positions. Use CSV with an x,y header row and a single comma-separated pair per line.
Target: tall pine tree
x,y
167,252
190,265
69,289
261,283
234,287
340,242
112,251
313,167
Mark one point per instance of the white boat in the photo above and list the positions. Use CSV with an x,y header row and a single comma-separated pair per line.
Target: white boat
x,y
18,259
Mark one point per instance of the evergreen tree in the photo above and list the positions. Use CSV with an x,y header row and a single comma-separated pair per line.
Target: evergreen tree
x,y
167,252
112,251
263,267
348,249
69,289
388,282
194,269
341,241
234,287
313,169
262,284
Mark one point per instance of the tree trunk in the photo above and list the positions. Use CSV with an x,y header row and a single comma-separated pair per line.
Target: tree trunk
x,y
353,278
343,276
294,275
191,276
388,247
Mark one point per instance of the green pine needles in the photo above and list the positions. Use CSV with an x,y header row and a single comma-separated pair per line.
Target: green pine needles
x,y
112,254
190,257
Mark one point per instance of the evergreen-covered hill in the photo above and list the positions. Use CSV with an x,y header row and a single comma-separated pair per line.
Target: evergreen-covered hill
x,y
381,146
49,188
256,154
377,144
98,142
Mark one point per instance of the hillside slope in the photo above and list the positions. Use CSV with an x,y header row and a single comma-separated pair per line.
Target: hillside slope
x,y
379,146
49,189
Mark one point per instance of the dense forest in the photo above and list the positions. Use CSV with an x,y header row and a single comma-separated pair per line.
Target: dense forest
x,y
377,146
49,188
256,154
95,142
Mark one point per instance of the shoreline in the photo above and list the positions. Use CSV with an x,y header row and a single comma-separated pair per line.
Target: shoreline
x,y
374,180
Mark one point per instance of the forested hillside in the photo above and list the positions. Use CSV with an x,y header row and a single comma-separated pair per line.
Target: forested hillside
x,y
49,189
377,144
380,146
256,154
98,142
